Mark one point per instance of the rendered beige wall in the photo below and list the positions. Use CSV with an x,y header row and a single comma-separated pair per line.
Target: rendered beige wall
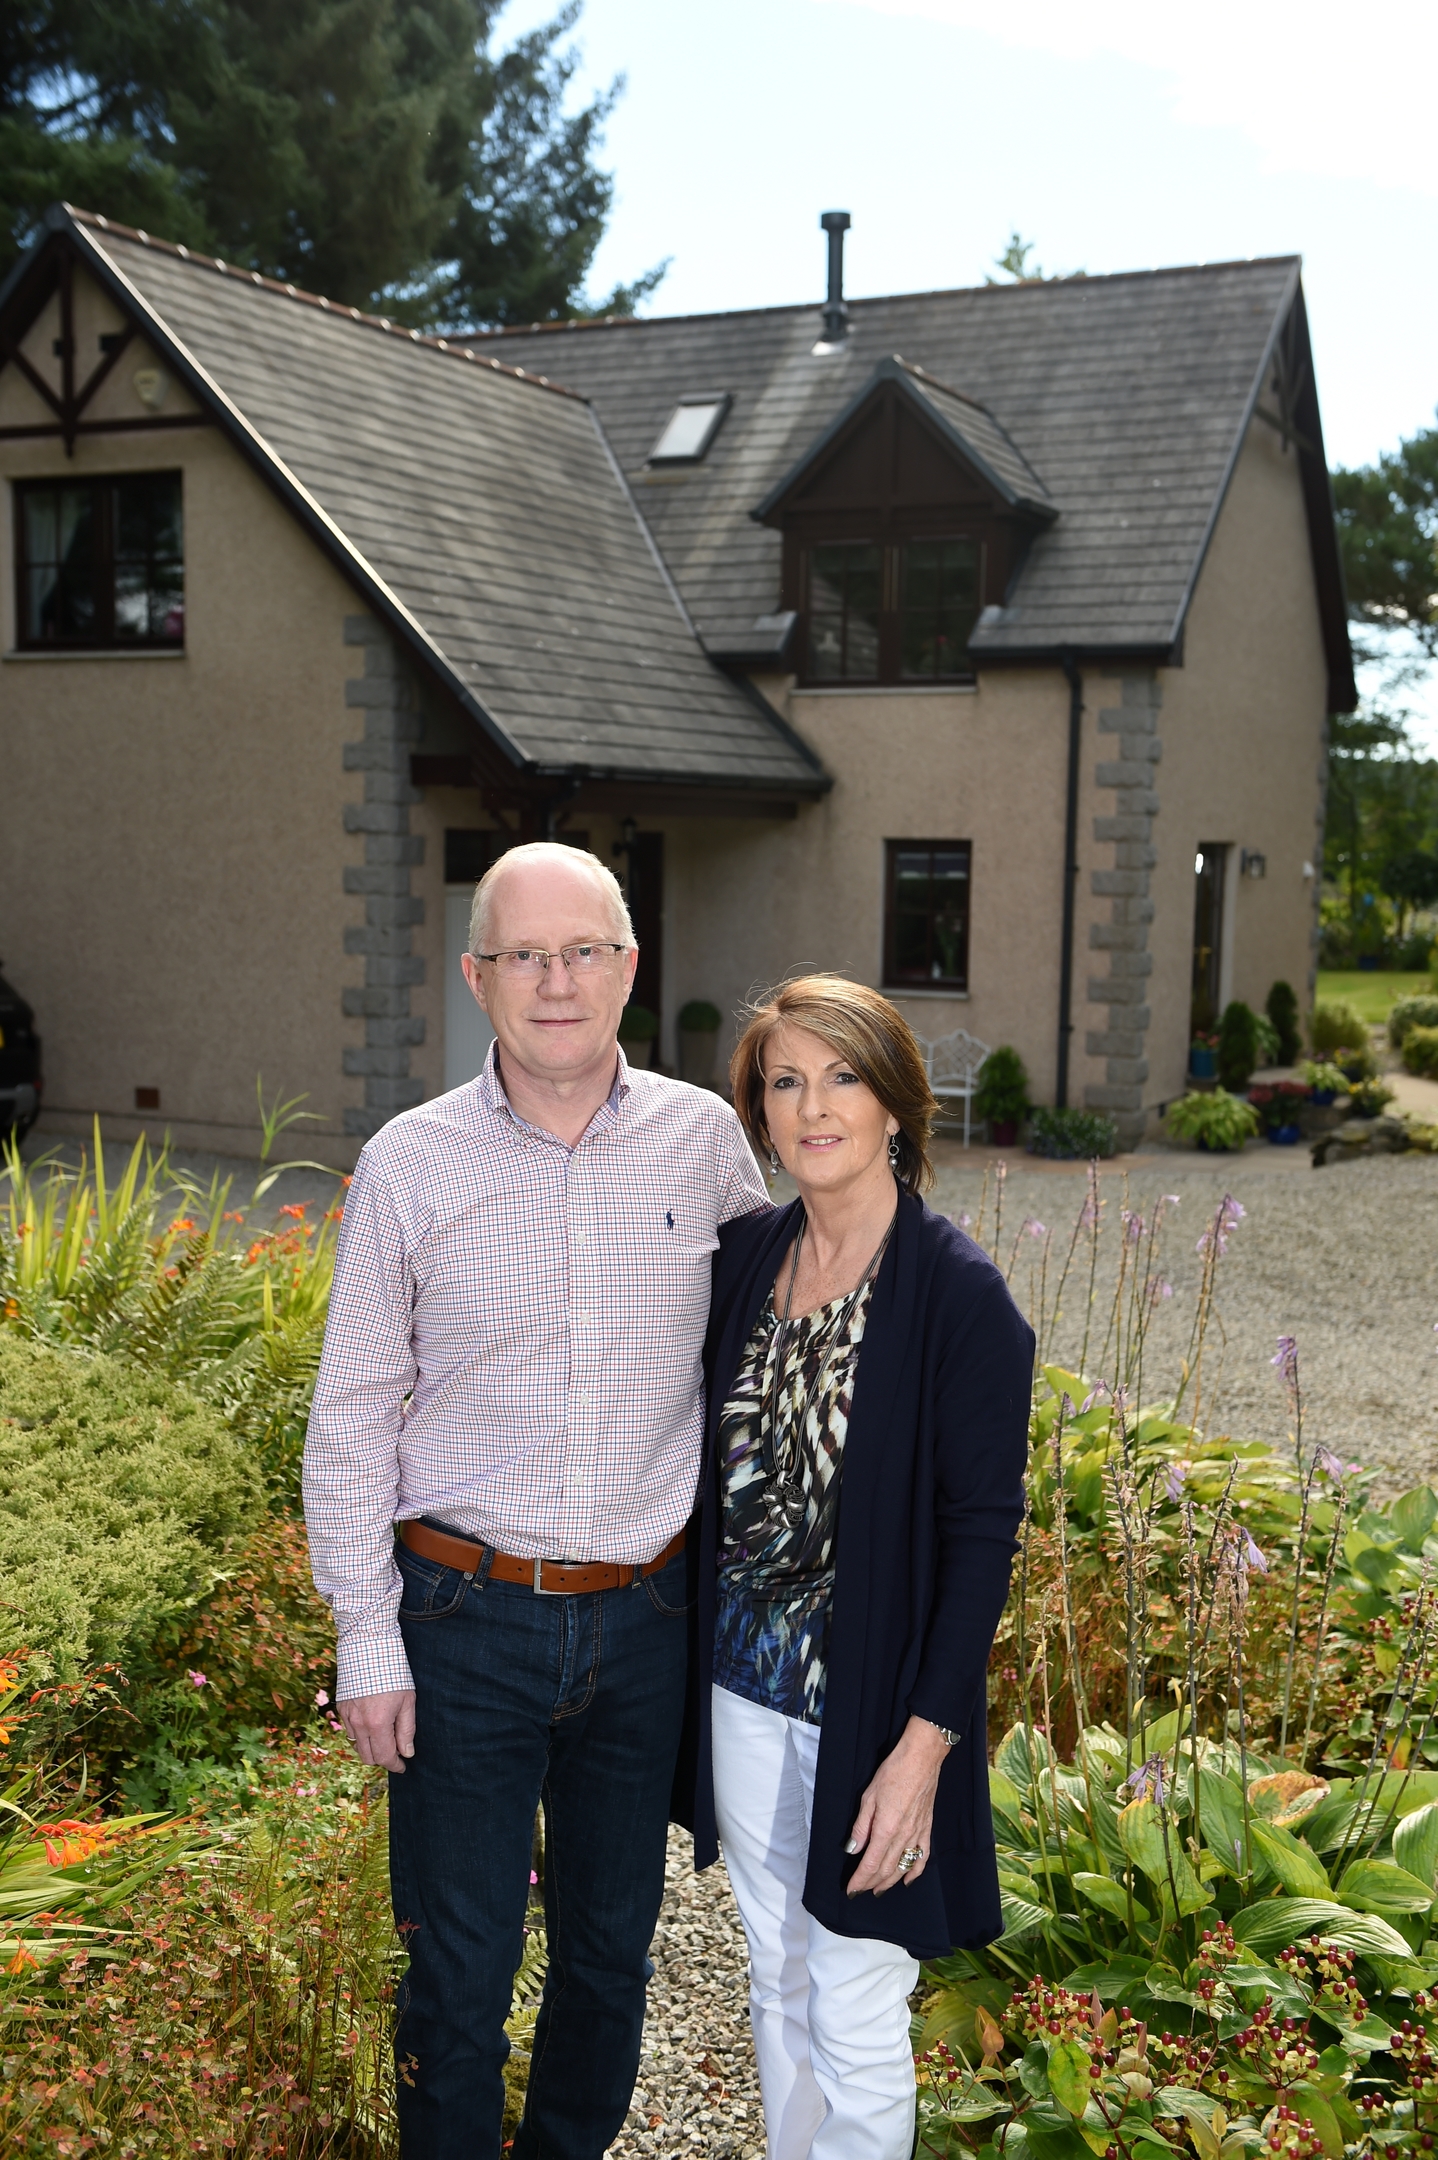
x,y
172,842
1242,728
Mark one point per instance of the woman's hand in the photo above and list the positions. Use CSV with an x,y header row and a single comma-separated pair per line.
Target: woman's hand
x,y
897,1810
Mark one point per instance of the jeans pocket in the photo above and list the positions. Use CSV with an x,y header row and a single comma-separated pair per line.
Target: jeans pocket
x,y
672,1590
429,1592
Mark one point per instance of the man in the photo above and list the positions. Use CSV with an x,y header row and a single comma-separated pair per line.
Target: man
x,y
502,1459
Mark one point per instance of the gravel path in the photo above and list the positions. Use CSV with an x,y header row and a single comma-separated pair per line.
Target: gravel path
x,y
698,2091
1345,1259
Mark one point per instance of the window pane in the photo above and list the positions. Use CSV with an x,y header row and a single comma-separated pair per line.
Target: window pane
x,y
929,920
844,591
940,580
149,560
689,430
60,550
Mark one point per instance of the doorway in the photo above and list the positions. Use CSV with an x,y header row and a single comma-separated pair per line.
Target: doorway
x,y
1210,871
641,855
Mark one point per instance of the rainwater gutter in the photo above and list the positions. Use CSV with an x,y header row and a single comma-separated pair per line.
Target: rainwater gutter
x,y
1074,678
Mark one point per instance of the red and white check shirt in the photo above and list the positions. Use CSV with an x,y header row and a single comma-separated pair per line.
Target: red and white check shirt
x,y
514,1339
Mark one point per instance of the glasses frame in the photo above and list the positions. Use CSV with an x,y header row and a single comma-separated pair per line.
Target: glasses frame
x,y
609,945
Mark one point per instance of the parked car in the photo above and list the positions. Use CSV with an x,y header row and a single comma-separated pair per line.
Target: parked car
x,y
21,1084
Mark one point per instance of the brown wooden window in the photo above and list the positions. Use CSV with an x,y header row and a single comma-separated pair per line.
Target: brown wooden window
x,y
100,562
926,914
883,613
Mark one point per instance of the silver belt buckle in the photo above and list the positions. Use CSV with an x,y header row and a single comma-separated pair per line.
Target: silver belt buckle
x,y
539,1589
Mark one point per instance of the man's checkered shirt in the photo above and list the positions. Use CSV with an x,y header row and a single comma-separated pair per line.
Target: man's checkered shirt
x,y
514,1339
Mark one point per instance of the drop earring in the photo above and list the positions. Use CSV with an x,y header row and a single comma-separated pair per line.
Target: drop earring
x,y
893,1151
773,1160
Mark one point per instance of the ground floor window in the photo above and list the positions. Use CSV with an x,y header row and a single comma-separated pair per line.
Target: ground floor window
x,y
926,913
1210,867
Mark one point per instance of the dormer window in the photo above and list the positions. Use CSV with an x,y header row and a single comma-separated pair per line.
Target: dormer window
x,y
690,429
891,612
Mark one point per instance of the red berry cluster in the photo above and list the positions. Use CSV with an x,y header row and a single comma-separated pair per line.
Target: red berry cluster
x,y
1292,2134
1043,2009
1218,1948
1278,2048
1413,2048
1329,1973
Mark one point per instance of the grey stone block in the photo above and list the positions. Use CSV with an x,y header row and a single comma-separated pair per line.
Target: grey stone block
x,y
1115,1042
1110,1096
1126,826
394,848
395,1033
1116,937
376,878
1124,773
1126,1071
376,1064
384,912
371,1002
1135,855
364,630
1123,883
1131,910
1109,991
376,817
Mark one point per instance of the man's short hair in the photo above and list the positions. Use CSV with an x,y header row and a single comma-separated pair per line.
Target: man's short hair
x,y
570,858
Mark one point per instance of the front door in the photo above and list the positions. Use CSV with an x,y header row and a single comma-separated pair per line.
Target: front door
x,y
643,879
1210,867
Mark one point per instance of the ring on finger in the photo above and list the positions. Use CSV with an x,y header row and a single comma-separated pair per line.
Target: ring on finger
x,y
910,1858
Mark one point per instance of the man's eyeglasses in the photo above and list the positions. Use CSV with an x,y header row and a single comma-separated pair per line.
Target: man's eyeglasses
x,y
524,963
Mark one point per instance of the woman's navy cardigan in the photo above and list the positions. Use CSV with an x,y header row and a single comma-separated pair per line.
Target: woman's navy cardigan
x,y
932,1496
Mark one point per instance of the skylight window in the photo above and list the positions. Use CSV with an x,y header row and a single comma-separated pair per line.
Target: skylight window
x,y
690,429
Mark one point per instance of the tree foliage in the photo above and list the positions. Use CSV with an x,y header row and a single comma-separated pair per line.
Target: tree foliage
x,y
375,150
1388,533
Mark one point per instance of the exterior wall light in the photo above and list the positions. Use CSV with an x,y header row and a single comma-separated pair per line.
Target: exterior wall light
x,y
1252,864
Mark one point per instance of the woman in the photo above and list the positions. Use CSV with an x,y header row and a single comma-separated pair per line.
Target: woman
x,y
869,1381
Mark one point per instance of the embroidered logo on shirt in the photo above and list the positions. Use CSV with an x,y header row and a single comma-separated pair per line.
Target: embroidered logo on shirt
x,y
669,1217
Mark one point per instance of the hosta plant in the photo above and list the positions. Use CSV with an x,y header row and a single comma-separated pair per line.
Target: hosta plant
x,y
1214,1120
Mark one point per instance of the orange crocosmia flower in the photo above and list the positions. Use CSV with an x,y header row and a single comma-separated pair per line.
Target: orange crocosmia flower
x,y
295,1208
9,1672
22,1961
69,1843
181,1223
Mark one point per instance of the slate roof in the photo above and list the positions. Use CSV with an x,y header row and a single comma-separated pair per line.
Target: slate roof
x,y
481,510
1130,396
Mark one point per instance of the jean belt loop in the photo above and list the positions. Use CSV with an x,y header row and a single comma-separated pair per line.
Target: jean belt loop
x,y
481,1573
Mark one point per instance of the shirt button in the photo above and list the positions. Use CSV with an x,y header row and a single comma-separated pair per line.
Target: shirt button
x,y
579,1318
582,1399
578,1236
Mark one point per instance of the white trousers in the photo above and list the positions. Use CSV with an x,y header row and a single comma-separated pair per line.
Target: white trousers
x,y
830,2012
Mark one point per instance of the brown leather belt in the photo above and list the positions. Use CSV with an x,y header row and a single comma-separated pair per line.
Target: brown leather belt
x,y
550,1578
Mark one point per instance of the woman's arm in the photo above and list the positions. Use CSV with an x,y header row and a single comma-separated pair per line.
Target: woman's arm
x,y
981,1452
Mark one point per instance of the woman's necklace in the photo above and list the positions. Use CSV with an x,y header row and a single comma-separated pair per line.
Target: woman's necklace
x,y
788,1476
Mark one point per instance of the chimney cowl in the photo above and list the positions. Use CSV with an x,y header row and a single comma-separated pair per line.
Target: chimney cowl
x,y
836,316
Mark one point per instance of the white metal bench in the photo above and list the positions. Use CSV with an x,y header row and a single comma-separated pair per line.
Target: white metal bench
x,y
952,1064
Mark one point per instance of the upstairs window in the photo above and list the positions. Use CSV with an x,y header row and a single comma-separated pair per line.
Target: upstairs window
x,y
926,914
891,613
101,563
690,429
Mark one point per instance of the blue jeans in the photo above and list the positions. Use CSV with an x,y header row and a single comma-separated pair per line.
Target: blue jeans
x,y
574,1703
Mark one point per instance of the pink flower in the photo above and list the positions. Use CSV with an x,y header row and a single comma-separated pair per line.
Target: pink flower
x,y
321,1699
198,1679
533,1878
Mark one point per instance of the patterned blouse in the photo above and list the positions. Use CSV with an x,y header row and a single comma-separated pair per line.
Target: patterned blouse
x,y
776,1575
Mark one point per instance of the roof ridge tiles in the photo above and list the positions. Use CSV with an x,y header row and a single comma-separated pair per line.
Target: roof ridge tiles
x,y
932,292
453,349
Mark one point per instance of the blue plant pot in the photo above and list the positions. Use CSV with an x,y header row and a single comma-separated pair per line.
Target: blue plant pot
x,y
1203,1064
1322,1098
1284,1135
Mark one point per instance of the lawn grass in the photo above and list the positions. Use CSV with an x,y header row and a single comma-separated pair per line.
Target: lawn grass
x,y
1372,994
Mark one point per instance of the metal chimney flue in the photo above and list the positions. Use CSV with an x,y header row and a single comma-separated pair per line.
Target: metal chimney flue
x,y
836,316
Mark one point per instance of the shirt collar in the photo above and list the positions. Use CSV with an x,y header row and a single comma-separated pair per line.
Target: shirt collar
x,y
494,1098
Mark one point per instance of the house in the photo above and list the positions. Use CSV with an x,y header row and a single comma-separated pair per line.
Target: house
x,y
977,643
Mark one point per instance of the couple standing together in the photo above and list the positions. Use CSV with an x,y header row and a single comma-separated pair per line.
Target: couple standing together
x,y
633,1496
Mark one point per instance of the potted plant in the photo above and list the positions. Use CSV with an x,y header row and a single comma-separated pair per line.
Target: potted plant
x,y
1369,1097
1203,1054
1325,1083
698,1040
639,1031
1278,1104
1218,1122
1002,1095
1237,1045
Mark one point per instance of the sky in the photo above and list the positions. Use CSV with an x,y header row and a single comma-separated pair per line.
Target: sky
x,y
1115,135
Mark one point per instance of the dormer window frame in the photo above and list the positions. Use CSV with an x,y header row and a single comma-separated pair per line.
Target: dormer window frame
x,y
718,402
891,538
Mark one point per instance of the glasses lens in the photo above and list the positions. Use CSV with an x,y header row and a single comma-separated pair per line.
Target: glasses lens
x,y
587,959
524,963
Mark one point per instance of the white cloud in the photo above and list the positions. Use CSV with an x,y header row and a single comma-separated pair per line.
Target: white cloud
x,y
1344,94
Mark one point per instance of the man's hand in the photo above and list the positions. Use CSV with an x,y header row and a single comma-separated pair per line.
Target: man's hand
x,y
897,1810
381,1727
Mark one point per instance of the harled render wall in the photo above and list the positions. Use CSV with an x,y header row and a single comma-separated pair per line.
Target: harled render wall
x,y
173,842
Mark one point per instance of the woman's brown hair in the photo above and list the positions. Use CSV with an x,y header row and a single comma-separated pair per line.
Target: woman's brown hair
x,y
866,1030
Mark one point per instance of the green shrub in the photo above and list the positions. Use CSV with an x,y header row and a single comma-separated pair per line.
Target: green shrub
x,y
116,1492
1002,1094
1216,1121
1281,1007
638,1024
1420,1052
1323,1079
1338,1026
1369,1098
1237,1045
1266,1035
1071,1135
1411,1012
699,1017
